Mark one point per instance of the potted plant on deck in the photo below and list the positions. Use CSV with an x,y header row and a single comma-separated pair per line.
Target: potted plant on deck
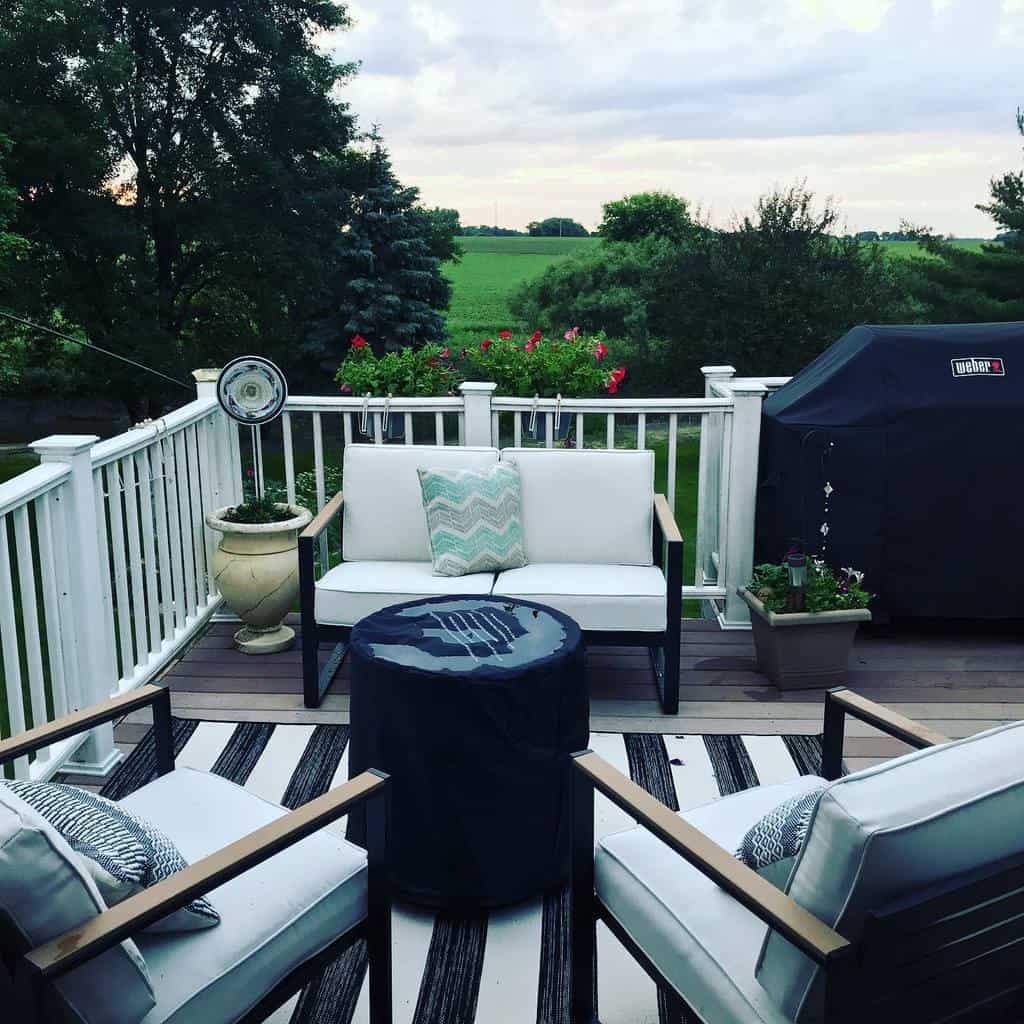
x,y
572,366
257,569
804,617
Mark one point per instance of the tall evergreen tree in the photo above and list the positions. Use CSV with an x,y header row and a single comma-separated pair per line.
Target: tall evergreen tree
x,y
397,288
958,285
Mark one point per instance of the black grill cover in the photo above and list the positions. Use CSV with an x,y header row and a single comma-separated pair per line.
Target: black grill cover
x,y
920,431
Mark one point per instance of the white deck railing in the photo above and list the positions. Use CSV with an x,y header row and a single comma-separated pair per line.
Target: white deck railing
x,y
107,544
104,557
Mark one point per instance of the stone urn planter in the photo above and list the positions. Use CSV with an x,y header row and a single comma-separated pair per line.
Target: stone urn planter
x,y
256,566
803,650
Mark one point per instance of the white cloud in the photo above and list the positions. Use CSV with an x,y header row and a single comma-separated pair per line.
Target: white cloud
x,y
901,107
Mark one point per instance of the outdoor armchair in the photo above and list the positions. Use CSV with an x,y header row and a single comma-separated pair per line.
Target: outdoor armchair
x,y
603,548
291,898
904,903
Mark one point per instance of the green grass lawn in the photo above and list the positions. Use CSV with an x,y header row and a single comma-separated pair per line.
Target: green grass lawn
x,y
13,463
904,249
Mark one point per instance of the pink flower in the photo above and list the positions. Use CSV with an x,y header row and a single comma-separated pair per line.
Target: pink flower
x,y
611,387
569,336
485,344
575,332
346,389
536,336
504,335
619,375
446,353
600,351
359,341
462,354
530,345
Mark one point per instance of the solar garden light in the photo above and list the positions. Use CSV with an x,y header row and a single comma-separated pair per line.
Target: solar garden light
x,y
796,563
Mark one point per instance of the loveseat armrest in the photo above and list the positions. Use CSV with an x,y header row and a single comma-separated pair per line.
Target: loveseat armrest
x,y
99,714
323,518
666,520
810,935
840,702
120,922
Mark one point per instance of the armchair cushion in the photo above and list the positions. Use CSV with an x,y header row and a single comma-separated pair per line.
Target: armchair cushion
x,y
885,832
473,518
352,590
699,937
589,506
44,892
383,511
275,915
598,597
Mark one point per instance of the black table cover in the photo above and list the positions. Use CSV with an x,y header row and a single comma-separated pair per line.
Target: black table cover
x,y
472,705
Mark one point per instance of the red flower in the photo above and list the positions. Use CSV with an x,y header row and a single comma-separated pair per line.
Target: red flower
x,y
619,375
504,335
600,351
434,361
359,341
446,353
535,337
531,345
575,332
569,336
611,387
346,389
485,344
462,354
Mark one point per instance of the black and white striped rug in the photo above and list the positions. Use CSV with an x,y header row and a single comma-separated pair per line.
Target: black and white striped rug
x,y
509,966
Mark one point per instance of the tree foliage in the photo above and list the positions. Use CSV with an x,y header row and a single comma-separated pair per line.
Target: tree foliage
x,y
557,227
958,285
647,215
767,295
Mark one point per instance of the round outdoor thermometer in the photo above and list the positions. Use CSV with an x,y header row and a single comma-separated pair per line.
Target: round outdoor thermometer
x,y
252,390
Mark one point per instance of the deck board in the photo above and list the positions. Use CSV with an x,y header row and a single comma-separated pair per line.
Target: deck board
x,y
958,684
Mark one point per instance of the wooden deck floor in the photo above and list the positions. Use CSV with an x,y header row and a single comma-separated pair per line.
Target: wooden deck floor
x,y
958,684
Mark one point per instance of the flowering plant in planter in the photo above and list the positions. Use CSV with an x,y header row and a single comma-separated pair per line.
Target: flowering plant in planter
x,y
412,372
827,591
572,365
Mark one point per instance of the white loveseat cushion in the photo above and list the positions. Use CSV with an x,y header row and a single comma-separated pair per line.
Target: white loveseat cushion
x,y
882,833
274,916
700,938
606,597
352,590
45,891
383,511
586,506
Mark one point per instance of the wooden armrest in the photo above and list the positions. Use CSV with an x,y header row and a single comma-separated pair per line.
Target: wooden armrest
x,y
99,714
758,895
667,522
323,518
100,933
840,702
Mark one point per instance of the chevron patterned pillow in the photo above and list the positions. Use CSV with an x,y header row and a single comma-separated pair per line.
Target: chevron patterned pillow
x,y
123,853
474,519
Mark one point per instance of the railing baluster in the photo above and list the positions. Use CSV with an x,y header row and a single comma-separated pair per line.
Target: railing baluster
x,y
408,428
171,478
135,574
206,503
289,457
321,487
157,472
149,508
378,428
107,611
610,436
495,430
517,430
549,419
196,505
346,425
51,607
30,619
9,645
69,625
124,631
673,445
641,431
580,440
439,428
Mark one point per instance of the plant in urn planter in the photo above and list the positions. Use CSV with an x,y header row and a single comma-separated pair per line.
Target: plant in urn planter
x,y
257,569
804,617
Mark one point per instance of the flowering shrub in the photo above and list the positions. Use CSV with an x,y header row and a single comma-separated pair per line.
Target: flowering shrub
x,y
572,365
827,591
424,372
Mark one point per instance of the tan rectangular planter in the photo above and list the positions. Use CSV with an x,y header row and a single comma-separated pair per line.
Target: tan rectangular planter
x,y
803,650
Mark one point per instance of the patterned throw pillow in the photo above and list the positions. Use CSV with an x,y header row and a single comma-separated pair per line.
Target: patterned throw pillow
x,y
123,853
474,519
771,845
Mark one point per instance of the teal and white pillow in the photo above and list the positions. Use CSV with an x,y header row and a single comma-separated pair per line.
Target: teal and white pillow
x,y
474,518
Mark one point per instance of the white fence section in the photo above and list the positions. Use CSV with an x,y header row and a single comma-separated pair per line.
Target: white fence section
x,y
104,568
104,556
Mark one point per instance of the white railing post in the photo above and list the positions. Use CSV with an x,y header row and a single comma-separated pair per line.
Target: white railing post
x,y
218,458
709,478
742,460
477,416
97,669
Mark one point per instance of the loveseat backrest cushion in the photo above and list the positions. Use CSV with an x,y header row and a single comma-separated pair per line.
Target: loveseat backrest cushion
x,y
591,507
44,892
383,514
887,832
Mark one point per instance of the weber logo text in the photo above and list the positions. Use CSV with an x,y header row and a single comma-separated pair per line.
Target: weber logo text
x,y
978,366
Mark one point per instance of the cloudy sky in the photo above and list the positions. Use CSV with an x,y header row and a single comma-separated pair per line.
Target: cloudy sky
x,y
897,108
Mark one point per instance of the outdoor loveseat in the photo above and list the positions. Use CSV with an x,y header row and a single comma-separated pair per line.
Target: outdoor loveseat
x,y
602,547
291,898
905,902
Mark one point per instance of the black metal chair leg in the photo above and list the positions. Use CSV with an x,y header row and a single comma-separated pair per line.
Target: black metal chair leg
x,y
583,932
